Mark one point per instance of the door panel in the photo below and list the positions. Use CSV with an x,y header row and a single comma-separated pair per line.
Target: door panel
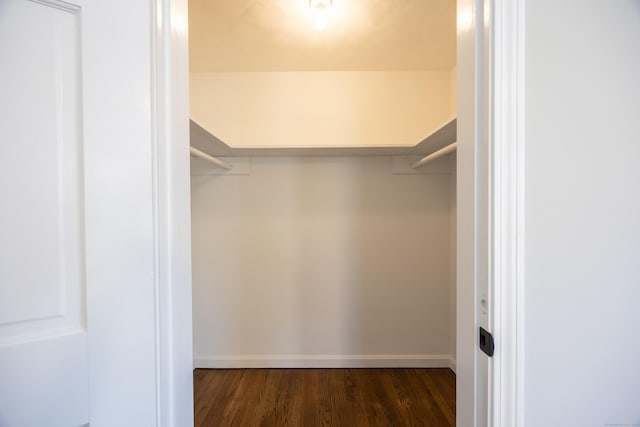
x,y
43,345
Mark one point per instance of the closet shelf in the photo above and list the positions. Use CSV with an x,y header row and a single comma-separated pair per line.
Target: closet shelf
x,y
209,144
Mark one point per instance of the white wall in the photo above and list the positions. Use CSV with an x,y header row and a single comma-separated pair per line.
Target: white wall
x,y
326,108
453,251
322,262
453,92
582,213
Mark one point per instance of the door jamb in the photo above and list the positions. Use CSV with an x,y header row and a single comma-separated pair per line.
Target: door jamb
x,y
172,214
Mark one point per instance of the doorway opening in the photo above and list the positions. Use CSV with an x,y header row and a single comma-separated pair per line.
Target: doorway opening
x,y
321,246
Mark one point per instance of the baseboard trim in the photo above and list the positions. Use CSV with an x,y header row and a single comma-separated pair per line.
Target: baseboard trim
x,y
325,361
452,364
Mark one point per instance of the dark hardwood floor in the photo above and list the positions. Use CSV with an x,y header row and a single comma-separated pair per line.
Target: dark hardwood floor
x,y
324,397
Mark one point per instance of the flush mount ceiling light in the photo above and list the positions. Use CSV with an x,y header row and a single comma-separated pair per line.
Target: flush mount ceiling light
x,y
321,11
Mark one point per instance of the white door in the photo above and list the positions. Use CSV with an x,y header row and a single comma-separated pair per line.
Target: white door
x,y
43,340
94,256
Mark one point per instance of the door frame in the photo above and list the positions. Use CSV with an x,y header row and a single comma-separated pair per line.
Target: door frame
x,y
506,384
491,52
470,393
172,207
505,175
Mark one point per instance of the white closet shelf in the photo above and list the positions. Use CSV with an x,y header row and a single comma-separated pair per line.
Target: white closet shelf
x,y
205,141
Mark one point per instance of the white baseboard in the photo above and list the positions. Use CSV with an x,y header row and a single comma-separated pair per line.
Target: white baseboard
x,y
325,361
452,364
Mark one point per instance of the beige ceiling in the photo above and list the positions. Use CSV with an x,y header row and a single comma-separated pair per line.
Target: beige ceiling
x,y
279,35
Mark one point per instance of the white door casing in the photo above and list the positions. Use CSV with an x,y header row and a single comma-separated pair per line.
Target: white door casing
x,y
495,387
173,207
507,219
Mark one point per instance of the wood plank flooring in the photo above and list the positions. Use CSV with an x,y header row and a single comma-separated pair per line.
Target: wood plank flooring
x,y
324,397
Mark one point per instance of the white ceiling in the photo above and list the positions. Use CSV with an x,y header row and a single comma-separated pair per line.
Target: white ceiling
x,y
279,35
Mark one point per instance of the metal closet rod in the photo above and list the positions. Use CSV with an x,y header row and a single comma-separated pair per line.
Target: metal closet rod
x,y
435,155
209,158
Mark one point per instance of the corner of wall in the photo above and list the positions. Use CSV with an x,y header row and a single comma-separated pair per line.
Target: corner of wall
x,y
453,91
453,262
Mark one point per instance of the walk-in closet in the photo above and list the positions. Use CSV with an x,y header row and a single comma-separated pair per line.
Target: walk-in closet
x,y
323,183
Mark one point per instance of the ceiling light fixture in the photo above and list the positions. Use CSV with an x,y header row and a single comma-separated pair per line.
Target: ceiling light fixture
x,y
321,11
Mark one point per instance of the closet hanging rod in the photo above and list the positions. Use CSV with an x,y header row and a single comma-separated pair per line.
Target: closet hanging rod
x,y
435,155
209,158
